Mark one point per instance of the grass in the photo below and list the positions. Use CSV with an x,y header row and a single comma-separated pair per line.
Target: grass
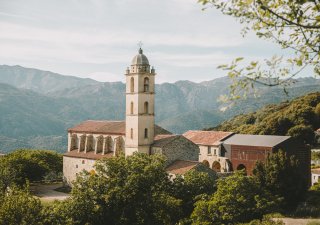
x,y
314,223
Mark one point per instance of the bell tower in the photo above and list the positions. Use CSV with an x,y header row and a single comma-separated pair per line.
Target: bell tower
x,y
140,80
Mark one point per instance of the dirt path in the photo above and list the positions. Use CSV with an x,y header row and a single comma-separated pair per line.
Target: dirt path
x,y
291,221
46,192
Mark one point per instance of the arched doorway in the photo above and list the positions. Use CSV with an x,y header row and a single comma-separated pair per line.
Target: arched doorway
x,y
206,163
216,166
242,167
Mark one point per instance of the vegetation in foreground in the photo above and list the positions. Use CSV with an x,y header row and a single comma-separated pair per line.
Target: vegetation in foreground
x,y
137,190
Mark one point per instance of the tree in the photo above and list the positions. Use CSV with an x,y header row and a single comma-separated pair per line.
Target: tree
x,y
19,207
192,187
294,25
282,176
303,133
238,199
30,165
124,190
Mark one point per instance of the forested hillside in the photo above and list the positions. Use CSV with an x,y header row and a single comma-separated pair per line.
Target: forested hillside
x,y
298,118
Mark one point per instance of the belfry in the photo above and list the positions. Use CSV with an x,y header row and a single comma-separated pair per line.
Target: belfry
x,y
140,80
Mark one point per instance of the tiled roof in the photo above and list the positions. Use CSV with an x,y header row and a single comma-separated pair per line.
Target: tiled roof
x,y
181,166
162,136
162,140
256,140
206,137
88,155
108,127
315,171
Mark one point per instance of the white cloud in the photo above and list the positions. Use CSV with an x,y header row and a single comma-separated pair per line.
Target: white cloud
x,y
98,38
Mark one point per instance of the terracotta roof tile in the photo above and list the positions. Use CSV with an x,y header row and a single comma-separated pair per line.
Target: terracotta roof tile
x,y
162,136
206,137
107,127
88,155
181,166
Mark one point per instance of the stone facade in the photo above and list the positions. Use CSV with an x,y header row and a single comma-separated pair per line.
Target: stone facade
x,y
215,158
211,152
73,166
176,147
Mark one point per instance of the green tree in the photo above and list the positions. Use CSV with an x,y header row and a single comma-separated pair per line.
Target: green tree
x,y
192,187
19,207
238,199
30,165
294,25
303,133
282,176
124,190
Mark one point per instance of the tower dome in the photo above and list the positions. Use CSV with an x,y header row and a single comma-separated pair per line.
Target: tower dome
x,y
140,59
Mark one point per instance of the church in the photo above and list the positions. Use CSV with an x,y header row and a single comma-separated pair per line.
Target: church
x,y
200,150
92,140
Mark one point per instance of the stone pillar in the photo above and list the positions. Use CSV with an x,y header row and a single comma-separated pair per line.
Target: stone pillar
x,y
69,141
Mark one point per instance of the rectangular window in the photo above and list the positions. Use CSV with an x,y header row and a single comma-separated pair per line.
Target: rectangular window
x,y
209,150
215,152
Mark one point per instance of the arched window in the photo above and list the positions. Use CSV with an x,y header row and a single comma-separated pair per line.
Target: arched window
x,y
146,133
131,108
89,143
132,84
108,147
146,107
206,163
131,133
99,144
146,84
74,142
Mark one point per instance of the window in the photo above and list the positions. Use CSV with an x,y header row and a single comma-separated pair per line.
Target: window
x,y
209,150
132,84
131,133
76,166
83,162
131,108
146,84
215,152
146,107
146,133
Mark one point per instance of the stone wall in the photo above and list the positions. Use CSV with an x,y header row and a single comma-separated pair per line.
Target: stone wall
x,y
213,159
73,166
182,149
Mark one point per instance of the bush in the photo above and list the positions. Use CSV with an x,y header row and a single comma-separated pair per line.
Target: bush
x,y
19,207
238,199
31,165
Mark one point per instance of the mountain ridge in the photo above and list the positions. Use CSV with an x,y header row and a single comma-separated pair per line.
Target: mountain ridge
x,y
40,115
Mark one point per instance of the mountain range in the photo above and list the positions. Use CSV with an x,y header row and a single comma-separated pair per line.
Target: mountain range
x,y
37,107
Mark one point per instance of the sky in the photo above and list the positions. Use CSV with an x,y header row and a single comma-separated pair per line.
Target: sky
x,y
98,38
